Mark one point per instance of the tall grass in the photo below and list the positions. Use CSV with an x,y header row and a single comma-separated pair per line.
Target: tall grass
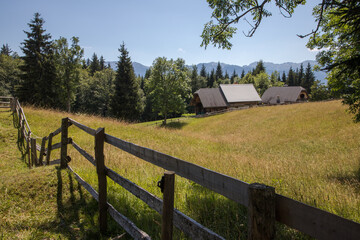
x,y
309,152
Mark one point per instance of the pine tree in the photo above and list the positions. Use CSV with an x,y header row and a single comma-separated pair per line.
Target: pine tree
x,y
219,72
194,79
300,76
94,65
38,81
226,75
283,77
203,71
308,79
291,77
242,74
211,79
5,50
126,103
101,63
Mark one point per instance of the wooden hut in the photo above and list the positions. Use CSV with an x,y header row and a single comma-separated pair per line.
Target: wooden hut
x,y
284,95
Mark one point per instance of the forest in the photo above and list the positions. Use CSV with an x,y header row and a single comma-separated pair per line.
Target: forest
x,y
55,74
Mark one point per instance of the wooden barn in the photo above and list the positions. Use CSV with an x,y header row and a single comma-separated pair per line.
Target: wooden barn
x,y
284,95
226,96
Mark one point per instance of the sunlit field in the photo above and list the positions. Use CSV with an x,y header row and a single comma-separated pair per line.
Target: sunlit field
x,y
309,152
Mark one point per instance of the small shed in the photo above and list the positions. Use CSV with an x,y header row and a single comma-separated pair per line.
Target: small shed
x,y
283,95
208,100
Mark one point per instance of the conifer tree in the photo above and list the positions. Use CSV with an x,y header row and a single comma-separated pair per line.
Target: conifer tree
x,y
242,74
94,65
259,68
291,77
283,77
308,79
233,76
203,71
219,72
5,50
38,81
211,79
126,103
300,75
101,63
226,75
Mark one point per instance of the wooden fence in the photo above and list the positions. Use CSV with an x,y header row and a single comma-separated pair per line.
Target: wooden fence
x,y
264,205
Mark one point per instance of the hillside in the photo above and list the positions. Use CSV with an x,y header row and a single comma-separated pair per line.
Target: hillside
x,y
309,152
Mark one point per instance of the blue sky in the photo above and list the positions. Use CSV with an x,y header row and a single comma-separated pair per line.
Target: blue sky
x,y
157,28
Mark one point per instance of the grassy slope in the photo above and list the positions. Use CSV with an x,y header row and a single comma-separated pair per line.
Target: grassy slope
x,y
309,152
40,203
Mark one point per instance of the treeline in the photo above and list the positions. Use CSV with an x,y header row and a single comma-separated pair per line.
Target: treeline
x,y
54,74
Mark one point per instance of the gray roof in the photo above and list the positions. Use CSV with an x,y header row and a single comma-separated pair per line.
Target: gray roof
x,y
211,97
286,94
240,93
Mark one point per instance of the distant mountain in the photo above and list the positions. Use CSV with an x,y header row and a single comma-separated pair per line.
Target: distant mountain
x,y
270,67
139,69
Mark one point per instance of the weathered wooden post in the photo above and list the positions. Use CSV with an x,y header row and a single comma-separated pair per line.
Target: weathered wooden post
x,y
102,182
28,139
261,212
22,130
48,152
64,142
167,188
42,150
33,152
12,104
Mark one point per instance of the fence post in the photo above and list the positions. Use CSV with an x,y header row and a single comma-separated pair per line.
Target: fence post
x,y
22,130
33,152
102,182
48,152
64,142
42,150
168,206
28,139
261,212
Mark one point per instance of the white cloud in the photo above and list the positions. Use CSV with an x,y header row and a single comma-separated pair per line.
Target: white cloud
x,y
181,50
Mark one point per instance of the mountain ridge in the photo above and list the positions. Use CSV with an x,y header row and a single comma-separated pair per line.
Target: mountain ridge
x,y
270,67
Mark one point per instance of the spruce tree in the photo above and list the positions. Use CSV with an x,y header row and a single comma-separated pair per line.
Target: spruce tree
x,y
309,79
233,76
242,74
194,79
291,77
219,72
226,75
94,65
102,63
203,71
283,77
211,79
300,76
259,68
126,103
5,50
38,81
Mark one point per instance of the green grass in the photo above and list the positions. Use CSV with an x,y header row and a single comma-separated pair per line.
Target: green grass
x,y
309,152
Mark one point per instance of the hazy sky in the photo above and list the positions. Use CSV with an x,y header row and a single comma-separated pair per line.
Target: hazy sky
x,y
157,28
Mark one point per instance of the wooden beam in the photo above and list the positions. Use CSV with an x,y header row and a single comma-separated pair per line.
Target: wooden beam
x,y
168,206
64,142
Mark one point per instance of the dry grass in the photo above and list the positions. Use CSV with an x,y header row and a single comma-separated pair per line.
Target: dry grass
x,y
309,152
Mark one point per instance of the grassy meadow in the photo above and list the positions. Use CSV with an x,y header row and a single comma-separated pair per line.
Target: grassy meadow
x,y
309,152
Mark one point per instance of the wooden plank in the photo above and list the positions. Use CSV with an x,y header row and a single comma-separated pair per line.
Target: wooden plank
x,y
83,127
28,137
64,142
102,181
54,162
261,212
187,225
84,153
315,222
87,186
55,146
49,148
24,117
42,151
4,106
229,187
125,223
56,132
38,147
168,206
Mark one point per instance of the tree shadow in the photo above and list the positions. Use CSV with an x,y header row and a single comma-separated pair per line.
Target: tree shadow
x,y
351,179
175,125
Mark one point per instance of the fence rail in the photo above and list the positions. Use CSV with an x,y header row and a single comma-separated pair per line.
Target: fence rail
x,y
307,219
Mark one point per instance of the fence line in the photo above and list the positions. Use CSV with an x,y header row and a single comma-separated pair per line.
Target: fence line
x,y
312,221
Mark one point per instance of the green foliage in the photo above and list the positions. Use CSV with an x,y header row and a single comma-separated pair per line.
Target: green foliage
x,y
309,79
319,92
340,49
94,64
259,68
5,50
9,74
228,13
38,83
68,67
127,101
168,86
197,81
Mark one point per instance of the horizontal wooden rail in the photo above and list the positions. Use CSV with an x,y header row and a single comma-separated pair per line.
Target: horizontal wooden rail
x,y
313,221
124,222
4,97
55,146
56,132
229,187
83,127
84,153
187,225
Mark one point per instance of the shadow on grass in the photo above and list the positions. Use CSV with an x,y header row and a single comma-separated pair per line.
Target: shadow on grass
x,y
351,179
174,125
